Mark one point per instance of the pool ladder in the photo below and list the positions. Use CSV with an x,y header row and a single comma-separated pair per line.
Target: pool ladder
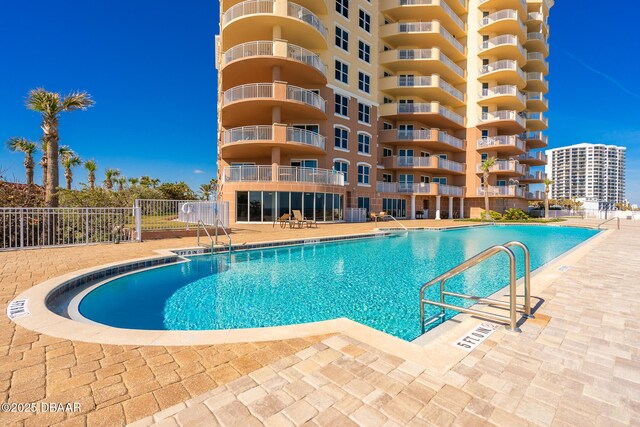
x,y
213,243
512,304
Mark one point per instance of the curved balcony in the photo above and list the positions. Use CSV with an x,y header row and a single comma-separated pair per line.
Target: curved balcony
x,y
257,141
432,164
537,42
282,174
502,144
505,21
254,102
508,121
431,87
424,138
400,10
535,139
431,34
533,178
254,61
537,102
459,6
519,5
535,195
429,113
505,71
536,121
504,168
536,83
423,189
502,191
504,46
255,19
424,61
319,7
533,159
504,96
537,62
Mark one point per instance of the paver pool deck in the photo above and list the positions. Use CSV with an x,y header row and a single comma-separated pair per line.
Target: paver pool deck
x,y
577,363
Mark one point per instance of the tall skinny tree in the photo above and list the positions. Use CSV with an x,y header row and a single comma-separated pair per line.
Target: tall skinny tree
x,y
50,105
133,182
43,162
206,190
109,176
69,159
485,167
547,185
27,147
91,166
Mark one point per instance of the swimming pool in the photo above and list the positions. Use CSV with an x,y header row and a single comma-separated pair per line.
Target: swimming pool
x,y
373,281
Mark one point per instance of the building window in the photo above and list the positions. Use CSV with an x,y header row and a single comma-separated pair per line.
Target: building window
x,y
364,82
342,7
364,203
342,39
342,105
341,138
364,21
364,51
342,72
363,174
387,152
364,113
387,126
364,143
342,166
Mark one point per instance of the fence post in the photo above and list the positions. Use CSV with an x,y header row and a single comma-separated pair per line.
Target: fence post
x,y
21,229
86,225
138,217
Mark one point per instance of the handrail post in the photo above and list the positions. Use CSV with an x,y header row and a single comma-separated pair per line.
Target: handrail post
x,y
513,325
527,276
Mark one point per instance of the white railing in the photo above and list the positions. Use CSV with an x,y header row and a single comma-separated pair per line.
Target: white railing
x,y
414,81
536,36
505,190
305,15
250,173
537,156
535,195
504,165
304,55
416,107
442,4
248,133
445,112
48,227
160,214
418,188
252,90
450,165
306,96
538,136
502,115
426,27
536,96
451,90
249,7
306,137
356,215
450,190
537,176
501,140
450,139
406,161
501,91
535,75
499,15
537,116
502,40
411,54
502,65
535,56
535,16
267,48
449,37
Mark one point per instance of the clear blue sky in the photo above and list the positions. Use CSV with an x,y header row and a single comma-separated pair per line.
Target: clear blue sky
x,y
149,64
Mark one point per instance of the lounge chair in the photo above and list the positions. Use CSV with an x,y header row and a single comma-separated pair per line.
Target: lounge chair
x,y
302,221
283,220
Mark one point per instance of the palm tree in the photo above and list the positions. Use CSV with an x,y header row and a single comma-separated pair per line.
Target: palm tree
x,y
50,105
43,162
91,166
27,147
547,184
485,167
110,175
155,182
206,190
145,181
69,159
121,181
133,182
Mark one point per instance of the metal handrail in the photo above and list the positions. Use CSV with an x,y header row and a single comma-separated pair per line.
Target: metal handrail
x,y
609,220
393,218
206,231
213,243
225,233
512,305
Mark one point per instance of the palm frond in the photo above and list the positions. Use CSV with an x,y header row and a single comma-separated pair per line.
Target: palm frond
x,y
112,173
488,164
23,145
77,101
91,165
44,102
65,151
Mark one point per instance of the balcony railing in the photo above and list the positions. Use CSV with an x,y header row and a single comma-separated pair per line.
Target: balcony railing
x,y
419,188
305,15
250,173
502,40
428,27
306,96
501,15
457,118
537,176
268,48
538,136
501,140
537,156
265,90
429,162
502,65
505,190
442,4
537,96
266,133
429,81
536,116
535,195
535,16
411,54
423,135
502,90
504,166
502,115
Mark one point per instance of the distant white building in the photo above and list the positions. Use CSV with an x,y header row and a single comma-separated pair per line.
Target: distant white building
x,y
593,172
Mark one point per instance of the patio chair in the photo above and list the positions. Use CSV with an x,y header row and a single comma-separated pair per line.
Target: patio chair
x,y
283,220
301,221
383,216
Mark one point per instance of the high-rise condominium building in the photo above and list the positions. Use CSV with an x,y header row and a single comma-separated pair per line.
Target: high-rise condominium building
x,y
388,105
594,172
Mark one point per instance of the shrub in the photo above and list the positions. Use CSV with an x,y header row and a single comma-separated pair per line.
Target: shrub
x,y
514,214
20,195
496,216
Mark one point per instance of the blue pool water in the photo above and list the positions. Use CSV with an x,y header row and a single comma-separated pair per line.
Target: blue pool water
x,y
373,281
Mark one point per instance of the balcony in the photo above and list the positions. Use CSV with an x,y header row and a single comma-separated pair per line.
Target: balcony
x,y
519,5
254,102
424,189
536,121
505,46
432,163
259,140
535,139
503,144
431,87
537,42
504,96
508,121
282,174
424,61
429,113
533,178
423,33
537,21
533,159
505,71
424,138
400,10
536,82
501,191
255,19
535,195
537,102
505,168
254,61
505,21
537,62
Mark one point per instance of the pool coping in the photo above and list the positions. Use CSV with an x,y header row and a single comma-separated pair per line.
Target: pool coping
x,y
436,352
